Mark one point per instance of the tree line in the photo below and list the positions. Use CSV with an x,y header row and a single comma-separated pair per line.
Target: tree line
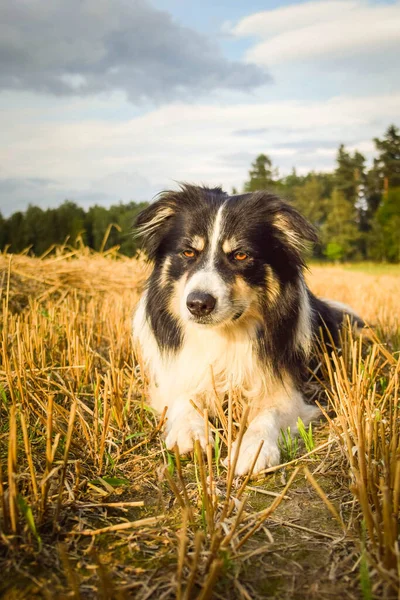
x,y
98,227
355,208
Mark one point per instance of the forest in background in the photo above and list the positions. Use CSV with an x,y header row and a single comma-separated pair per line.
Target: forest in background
x,y
355,208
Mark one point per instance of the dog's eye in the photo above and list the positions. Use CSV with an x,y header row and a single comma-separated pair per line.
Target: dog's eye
x,y
189,253
240,256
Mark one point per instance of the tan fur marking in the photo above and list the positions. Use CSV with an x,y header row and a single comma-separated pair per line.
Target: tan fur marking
x,y
198,243
160,216
272,285
283,224
177,294
241,287
229,245
241,290
164,272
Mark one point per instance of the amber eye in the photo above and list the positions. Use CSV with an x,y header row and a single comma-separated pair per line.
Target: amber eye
x,y
240,256
188,253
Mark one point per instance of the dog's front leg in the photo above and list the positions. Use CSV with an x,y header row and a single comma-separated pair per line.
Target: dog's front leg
x,y
267,418
184,426
263,428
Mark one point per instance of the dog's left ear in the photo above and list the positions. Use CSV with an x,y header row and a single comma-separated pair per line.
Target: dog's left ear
x,y
153,223
291,226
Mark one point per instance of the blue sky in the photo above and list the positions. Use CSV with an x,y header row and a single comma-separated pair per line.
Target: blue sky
x,y
104,101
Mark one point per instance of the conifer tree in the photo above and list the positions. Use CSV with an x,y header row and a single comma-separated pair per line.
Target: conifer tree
x,y
388,161
262,175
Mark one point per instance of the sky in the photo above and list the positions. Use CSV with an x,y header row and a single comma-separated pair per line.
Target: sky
x,y
107,101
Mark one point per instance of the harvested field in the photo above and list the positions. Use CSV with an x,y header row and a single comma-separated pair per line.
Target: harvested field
x,y
93,506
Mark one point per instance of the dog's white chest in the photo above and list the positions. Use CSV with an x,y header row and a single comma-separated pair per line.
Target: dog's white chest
x,y
212,362
209,361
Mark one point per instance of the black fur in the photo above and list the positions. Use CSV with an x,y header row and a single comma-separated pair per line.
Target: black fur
x,y
271,231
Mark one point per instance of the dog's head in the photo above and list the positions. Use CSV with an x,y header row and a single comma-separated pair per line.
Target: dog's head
x,y
222,257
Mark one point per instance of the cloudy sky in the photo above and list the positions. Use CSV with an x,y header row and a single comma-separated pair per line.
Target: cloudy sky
x,y
104,101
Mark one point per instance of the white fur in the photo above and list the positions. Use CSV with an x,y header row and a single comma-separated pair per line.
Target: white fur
x,y
341,306
304,326
227,351
280,411
221,356
214,236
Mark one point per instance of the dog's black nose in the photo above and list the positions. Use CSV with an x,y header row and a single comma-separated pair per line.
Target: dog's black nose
x,y
200,304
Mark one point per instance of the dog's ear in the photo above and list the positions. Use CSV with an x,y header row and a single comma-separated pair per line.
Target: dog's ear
x,y
295,228
296,233
153,222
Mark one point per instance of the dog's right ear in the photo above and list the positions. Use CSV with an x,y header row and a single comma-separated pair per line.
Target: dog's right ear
x,y
153,222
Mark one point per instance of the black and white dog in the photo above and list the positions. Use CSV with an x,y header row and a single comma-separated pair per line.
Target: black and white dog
x,y
226,306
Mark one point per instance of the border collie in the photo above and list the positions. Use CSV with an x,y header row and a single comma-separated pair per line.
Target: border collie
x,y
226,306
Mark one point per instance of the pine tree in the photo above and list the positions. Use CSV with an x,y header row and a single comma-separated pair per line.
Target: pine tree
x,y
373,194
262,176
388,162
384,243
350,175
16,234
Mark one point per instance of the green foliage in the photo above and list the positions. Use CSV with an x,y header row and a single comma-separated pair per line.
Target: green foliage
x,y
309,199
365,578
306,435
388,163
114,482
262,176
39,229
217,451
385,238
340,232
170,462
3,395
29,518
288,445
350,175
334,251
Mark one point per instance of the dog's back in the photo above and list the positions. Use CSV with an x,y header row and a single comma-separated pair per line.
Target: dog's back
x,y
330,316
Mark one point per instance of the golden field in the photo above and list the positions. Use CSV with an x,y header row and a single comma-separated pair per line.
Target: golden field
x,y
93,506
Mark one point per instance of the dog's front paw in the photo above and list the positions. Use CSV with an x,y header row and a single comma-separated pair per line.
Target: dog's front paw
x,y
269,455
184,434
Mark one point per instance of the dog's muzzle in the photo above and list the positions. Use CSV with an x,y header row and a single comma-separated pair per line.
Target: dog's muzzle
x,y
200,304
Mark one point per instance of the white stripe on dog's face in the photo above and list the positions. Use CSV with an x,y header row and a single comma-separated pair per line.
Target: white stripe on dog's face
x,y
214,236
208,280
230,300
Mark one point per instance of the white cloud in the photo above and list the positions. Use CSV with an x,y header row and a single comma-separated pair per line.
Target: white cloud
x,y
317,31
133,159
290,17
